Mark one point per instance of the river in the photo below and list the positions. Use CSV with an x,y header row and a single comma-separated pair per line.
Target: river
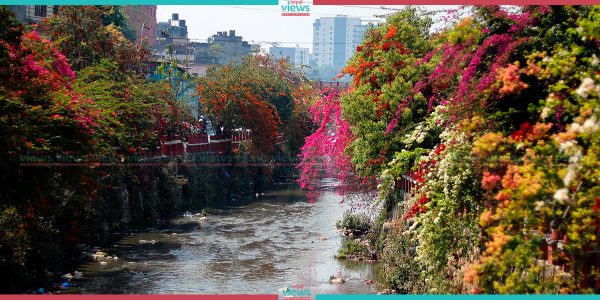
x,y
250,247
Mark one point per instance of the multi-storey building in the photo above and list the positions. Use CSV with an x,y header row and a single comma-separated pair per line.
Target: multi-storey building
x,y
30,14
334,40
142,19
222,48
173,34
297,55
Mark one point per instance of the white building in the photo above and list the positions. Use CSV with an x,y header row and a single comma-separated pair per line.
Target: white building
x,y
297,55
335,40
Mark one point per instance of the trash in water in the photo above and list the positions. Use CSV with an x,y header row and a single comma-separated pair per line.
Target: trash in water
x,y
77,275
67,276
147,242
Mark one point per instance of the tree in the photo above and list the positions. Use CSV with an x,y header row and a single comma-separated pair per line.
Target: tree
x,y
113,15
81,34
40,114
257,94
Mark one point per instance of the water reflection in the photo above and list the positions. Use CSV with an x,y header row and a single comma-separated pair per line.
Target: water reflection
x,y
253,247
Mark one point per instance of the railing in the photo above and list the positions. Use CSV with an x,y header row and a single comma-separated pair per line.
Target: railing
x,y
335,85
406,182
202,142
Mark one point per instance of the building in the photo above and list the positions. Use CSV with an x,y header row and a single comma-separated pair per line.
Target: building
x,y
31,14
359,32
297,55
229,48
173,34
221,49
335,40
142,19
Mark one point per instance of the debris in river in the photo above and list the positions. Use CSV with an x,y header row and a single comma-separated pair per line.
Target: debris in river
x,y
77,275
387,292
337,280
323,238
99,255
147,242
67,276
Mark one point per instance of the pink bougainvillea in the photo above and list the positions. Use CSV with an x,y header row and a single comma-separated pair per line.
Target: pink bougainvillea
x,y
323,154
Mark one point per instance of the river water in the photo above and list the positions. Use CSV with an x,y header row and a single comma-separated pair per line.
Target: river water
x,y
250,247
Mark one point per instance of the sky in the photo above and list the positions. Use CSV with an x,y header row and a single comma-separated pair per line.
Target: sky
x,y
262,24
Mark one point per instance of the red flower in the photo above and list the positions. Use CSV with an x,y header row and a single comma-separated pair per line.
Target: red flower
x,y
518,135
489,181
358,48
373,79
386,46
439,149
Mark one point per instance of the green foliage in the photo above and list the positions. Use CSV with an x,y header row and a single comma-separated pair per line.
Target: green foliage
x,y
47,111
495,118
352,249
260,94
81,34
137,112
113,15
399,268
354,222
384,79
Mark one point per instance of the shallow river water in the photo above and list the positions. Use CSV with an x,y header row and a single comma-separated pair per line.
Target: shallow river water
x,y
249,247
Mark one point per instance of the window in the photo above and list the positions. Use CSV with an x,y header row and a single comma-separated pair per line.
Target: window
x,y
40,11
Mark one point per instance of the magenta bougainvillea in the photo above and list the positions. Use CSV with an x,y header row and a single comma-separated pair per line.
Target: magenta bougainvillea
x,y
323,154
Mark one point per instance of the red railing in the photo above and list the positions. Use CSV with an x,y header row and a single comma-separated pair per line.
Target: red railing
x,y
406,182
201,142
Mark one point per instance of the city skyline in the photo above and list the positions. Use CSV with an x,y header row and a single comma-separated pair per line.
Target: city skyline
x,y
205,21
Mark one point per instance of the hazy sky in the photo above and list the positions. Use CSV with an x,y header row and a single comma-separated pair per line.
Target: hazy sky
x,y
261,23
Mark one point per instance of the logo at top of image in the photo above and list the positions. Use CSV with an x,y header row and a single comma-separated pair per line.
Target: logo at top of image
x,y
295,8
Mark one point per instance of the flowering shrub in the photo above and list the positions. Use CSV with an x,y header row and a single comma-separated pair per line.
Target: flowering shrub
x,y
62,117
495,117
39,89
